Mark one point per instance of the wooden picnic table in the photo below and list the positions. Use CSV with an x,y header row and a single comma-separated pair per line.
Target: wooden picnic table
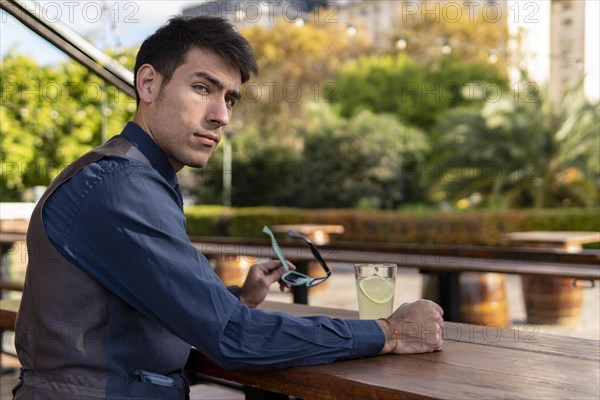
x,y
477,362
565,240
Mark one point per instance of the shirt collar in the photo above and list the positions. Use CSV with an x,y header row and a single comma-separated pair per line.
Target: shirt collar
x,y
144,143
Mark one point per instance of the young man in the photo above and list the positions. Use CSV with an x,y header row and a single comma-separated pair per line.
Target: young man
x,y
115,293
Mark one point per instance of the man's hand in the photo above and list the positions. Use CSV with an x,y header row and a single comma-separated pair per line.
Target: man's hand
x,y
260,278
419,327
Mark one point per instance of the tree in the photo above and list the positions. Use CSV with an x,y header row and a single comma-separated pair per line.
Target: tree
x,y
297,64
359,162
49,116
264,171
522,151
472,31
416,93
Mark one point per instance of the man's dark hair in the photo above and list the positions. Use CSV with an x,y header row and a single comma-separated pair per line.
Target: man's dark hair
x,y
166,48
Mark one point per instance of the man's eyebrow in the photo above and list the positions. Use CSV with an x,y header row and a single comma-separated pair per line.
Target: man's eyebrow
x,y
220,85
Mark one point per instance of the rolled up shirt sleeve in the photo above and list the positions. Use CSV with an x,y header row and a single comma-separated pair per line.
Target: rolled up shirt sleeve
x,y
121,222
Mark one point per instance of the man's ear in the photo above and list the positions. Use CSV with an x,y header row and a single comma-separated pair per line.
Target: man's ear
x,y
147,83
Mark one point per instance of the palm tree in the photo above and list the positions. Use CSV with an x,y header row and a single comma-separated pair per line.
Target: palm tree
x,y
523,150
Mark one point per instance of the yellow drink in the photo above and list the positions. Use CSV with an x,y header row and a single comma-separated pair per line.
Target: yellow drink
x,y
375,297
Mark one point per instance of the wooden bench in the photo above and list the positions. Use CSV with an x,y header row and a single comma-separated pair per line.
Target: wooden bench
x,y
437,258
448,261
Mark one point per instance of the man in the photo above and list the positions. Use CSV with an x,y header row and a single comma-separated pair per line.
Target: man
x,y
115,293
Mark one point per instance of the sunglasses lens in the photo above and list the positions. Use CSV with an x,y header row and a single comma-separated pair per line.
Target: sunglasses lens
x,y
295,278
315,282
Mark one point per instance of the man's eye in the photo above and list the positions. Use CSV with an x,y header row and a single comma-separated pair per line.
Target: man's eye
x,y
201,88
230,102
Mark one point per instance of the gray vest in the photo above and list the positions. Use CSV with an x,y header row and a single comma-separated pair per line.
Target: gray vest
x,y
75,339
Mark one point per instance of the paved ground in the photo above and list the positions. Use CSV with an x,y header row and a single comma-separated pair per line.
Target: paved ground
x,y
340,292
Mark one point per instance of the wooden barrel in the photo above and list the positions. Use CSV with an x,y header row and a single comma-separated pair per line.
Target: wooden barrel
x,y
552,300
233,269
483,299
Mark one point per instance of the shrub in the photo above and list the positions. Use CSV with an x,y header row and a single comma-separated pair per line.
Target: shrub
x,y
468,228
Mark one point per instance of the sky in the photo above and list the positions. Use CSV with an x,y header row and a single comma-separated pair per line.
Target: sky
x,y
135,20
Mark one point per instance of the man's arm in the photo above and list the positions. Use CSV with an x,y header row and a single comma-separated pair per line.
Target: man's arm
x,y
129,234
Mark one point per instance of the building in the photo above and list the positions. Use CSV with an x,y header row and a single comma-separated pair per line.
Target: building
x,y
379,20
567,52
559,43
373,19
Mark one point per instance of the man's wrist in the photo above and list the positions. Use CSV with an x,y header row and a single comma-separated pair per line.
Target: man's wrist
x,y
238,292
248,299
391,336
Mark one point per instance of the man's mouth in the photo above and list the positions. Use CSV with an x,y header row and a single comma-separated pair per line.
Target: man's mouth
x,y
207,139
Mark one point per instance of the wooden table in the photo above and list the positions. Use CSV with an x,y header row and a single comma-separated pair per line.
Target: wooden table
x,y
476,363
565,240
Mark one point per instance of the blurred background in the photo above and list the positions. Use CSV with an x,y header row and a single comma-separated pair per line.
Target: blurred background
x,y
416,106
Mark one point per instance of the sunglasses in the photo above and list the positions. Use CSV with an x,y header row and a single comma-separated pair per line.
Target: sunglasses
x,y
295,278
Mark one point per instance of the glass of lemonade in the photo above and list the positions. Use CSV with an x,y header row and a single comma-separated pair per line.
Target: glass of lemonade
x,y
375,287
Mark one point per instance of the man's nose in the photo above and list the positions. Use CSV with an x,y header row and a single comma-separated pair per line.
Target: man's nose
x,y
218,113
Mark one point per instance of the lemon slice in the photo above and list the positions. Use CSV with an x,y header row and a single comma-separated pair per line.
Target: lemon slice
x,y
377,289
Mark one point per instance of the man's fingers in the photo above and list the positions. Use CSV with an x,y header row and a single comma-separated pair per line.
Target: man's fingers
x,y
274,264
434,305
271,265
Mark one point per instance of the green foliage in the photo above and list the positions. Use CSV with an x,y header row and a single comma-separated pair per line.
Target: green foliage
x,y
469,228
333,162
297,64
522,151
208,220
416,93
264,172
471,31
50,115
358,162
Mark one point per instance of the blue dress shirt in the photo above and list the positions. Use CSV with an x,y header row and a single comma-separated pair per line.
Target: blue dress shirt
x,y
122,222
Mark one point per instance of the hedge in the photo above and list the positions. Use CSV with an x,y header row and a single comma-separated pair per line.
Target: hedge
x,y
468,227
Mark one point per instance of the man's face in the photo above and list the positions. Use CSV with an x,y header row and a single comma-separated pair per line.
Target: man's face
x,y
187,116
